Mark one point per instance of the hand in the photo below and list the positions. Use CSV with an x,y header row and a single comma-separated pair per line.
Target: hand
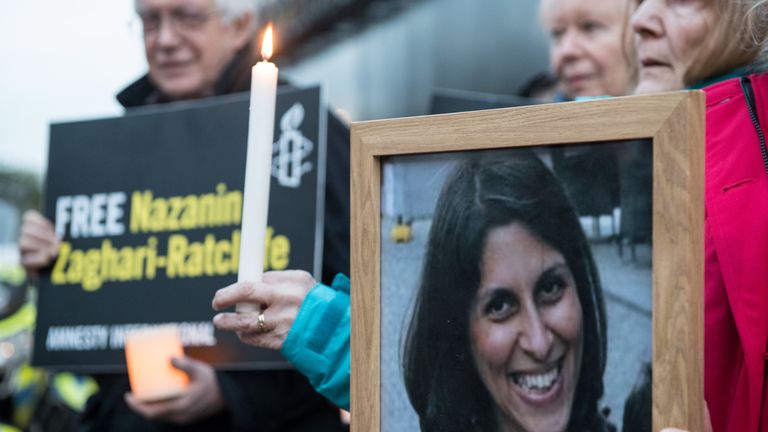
x,y
707,423
280,295
202,397
38,243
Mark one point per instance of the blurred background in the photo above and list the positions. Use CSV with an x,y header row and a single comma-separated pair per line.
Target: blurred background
x,y
64,61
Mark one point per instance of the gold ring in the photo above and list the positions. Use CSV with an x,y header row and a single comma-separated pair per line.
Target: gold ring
x,y
262,323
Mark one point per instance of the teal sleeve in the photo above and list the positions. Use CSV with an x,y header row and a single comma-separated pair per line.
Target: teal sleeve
x,y
318,342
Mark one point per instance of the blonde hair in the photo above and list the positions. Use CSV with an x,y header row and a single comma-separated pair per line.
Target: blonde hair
x,y
630,51
757,25
735,49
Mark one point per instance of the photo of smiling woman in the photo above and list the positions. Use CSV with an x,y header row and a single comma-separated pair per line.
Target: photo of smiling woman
x,y
508,330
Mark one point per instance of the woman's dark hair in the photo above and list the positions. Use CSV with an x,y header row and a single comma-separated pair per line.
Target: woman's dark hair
x,y
638,406
488,191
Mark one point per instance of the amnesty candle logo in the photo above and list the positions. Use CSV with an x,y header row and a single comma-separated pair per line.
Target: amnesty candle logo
x,y
289,152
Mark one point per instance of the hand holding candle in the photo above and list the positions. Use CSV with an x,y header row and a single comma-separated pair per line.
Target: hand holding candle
x,y
258,168
148,354
202,398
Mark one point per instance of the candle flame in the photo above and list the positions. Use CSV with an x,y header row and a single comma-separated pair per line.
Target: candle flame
x,y
266,44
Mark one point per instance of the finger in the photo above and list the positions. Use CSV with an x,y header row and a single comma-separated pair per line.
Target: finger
x,y
263,340
240,292
35,261
150,410
32,243
278,276
35,257
40,251
36,238
299,277
237,322
34,217
133,403
165,410
271,335
193,368
43,233
37,225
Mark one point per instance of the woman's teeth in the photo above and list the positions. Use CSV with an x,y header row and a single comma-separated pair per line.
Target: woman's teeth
x,y
537,382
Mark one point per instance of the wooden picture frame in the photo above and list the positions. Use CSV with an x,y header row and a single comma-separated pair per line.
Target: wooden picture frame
x,y
673,122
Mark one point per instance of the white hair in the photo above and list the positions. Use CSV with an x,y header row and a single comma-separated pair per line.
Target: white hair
x,y
232,9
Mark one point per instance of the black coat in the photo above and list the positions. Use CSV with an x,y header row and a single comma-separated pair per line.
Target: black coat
x,y
255,400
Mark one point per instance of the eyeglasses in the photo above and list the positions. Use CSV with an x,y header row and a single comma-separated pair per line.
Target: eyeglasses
x,y
181,20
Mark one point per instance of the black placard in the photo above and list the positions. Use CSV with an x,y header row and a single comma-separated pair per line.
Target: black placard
x,y
149,205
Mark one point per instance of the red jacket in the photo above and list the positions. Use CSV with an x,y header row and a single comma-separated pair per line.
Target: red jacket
x,y
736,268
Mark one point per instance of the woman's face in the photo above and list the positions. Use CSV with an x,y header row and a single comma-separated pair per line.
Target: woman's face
x,y
670,35
526,331
586,50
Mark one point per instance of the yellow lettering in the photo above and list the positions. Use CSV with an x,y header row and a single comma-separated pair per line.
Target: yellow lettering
x,y
206,211
177,250
235,261
75,271
108,259
155,214
159,214
151,257
92,270
208,245
125,264
234,202
140,203
189,213
267,246
279,253
231,205
195,259
220,263
174,213
57,275
137,271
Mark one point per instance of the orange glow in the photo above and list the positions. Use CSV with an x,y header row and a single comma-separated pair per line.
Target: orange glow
x,y
148,354
266,44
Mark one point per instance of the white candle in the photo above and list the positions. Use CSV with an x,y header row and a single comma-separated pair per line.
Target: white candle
x,y
258,167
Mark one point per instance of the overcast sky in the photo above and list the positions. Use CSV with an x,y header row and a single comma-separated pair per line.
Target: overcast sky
x,y
61,61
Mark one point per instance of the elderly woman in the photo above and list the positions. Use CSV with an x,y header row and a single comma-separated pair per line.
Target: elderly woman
x,y
587,46
509,322
717,45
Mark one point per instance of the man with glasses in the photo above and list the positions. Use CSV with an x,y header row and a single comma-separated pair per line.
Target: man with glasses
x,y
194,48
197,49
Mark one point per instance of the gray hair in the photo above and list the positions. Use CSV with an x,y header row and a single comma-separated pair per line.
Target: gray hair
x,y
233,9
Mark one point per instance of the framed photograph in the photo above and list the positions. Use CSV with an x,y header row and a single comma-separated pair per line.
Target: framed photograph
x,y
530,268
